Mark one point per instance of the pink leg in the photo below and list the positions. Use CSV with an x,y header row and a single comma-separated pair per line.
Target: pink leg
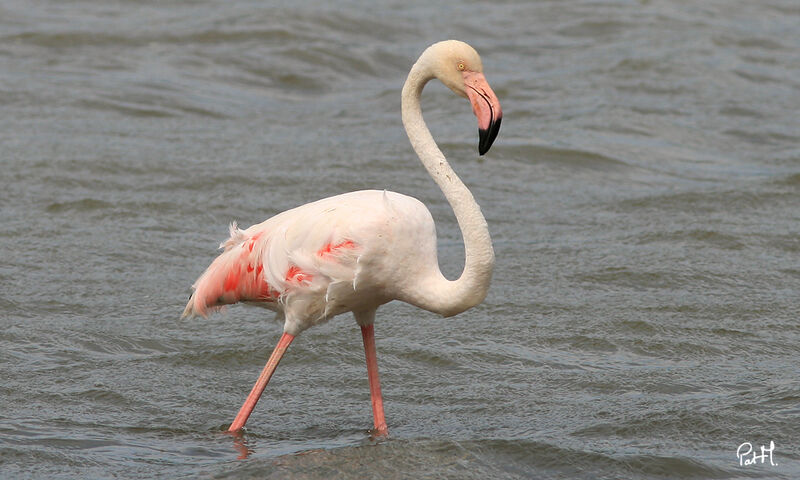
x,y
261,383
368,333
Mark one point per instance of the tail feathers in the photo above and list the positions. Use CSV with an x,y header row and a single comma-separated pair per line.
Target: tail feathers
x,y
236,275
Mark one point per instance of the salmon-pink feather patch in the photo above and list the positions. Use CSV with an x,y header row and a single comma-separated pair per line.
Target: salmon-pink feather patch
x,y
294,273
231,280
329,248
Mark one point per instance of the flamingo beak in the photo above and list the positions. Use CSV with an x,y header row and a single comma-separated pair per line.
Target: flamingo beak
x,y
486,107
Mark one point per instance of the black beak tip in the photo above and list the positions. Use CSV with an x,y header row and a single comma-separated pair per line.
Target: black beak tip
x,y
486,136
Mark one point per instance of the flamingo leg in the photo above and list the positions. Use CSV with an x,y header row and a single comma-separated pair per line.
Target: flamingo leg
x,y
368,334
261,383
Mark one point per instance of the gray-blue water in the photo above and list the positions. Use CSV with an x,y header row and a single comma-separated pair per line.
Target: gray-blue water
x,y
643,197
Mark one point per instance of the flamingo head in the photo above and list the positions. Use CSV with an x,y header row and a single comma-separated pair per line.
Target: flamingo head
x,y
458,65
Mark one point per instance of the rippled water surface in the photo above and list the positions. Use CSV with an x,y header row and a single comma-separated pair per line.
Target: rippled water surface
x,y
643,197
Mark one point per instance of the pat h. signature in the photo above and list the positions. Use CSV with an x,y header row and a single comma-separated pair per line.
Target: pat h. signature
x,y
748,456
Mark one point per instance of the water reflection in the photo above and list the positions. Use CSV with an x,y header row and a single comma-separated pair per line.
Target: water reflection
x,y
240,443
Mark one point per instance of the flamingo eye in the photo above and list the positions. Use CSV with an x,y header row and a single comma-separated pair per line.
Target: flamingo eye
x,y
461,66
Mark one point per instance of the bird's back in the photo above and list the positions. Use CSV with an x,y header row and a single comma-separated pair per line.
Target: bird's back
x,y
320,259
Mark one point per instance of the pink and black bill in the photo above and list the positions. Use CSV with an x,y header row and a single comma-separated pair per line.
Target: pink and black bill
x,y
486,107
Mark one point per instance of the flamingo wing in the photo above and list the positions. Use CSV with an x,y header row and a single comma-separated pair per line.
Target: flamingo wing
x,y
273,261
298,254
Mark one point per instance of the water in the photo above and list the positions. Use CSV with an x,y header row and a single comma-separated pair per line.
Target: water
x,y
643,197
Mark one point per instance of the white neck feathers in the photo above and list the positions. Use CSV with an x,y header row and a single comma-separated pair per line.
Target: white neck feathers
x,y
436,293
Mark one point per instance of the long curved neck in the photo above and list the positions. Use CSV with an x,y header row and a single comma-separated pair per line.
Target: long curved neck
x,y
435,292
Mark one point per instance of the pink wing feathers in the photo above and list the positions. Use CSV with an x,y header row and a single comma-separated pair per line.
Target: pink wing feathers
x,y
297,252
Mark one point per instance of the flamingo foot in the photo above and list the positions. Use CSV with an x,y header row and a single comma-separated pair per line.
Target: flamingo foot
x,y
379,433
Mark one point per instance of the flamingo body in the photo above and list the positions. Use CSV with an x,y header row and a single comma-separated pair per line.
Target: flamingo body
x,y
356,251
350,252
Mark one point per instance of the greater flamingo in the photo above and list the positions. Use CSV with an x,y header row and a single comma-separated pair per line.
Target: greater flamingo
x,y
357,251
